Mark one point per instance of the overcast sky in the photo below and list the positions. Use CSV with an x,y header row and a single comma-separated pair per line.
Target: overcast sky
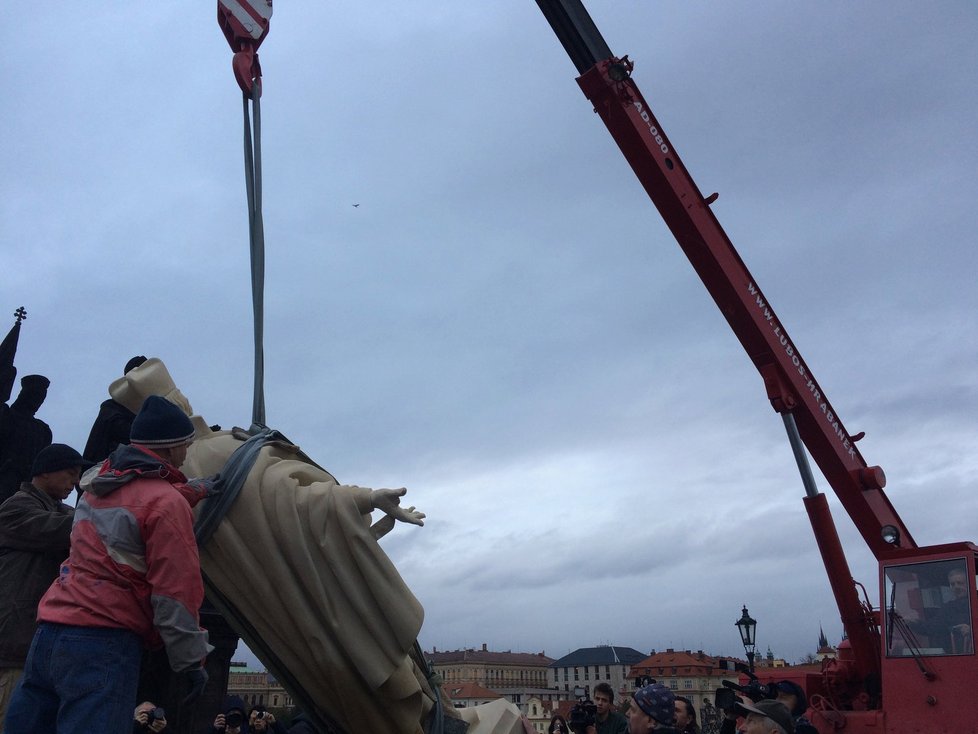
x,y
504,325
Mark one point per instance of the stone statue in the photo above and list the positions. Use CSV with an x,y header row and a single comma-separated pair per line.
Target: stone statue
x,y
296,562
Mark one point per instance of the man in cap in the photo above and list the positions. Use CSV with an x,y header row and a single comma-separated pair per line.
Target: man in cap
x,y
132,578
765,717
22,435
652,708
35,526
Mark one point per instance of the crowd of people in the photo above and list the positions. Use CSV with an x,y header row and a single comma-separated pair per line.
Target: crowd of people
x,y
656,708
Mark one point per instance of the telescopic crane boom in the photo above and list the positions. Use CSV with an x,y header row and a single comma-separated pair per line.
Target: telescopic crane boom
x,y
917,670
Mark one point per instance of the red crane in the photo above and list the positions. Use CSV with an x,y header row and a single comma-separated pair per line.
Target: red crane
x,y
915,675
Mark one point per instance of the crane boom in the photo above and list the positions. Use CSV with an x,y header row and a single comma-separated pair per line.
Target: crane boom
x,y
909,679
791,386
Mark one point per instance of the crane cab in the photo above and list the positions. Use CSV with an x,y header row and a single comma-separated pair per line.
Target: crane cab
x,y
929,609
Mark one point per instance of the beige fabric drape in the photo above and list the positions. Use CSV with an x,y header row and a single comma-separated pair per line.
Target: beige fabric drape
x,y
296,557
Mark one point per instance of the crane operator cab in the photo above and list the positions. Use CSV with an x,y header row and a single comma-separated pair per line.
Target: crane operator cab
x,y
929,608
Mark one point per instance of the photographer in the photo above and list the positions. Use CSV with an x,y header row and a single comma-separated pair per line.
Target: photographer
x,y
148,717
729,702
262,720
233,720
607,720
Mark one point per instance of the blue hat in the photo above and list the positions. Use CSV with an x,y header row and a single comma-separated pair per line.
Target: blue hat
x,y
161,425
657,701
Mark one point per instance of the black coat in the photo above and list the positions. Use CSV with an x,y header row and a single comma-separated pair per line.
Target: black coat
x,y
111,428
34,539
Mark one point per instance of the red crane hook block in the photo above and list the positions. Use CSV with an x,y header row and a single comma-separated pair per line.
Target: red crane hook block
x,y
245,25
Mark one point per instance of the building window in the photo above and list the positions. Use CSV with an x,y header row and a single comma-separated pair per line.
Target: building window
x,y
672,683
607,672
576,675
688,684
274,700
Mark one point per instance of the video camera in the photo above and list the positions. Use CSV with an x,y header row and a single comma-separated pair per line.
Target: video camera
x,y
582,715
726,698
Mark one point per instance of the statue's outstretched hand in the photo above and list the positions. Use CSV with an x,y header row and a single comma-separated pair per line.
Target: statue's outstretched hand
x,y
388,501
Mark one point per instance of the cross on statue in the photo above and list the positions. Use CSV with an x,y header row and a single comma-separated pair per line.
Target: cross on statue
x,y
20,314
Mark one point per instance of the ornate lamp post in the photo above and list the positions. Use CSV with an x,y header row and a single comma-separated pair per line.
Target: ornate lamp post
x,y
747,627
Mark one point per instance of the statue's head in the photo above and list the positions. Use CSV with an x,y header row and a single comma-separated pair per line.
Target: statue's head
x,y
33,390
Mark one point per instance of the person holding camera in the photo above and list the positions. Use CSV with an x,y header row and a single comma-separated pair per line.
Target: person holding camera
x,y
262,720
558,725
606,719
652,709
148,717
233,720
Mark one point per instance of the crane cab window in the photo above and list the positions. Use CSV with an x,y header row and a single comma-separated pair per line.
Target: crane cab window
x,y
928,609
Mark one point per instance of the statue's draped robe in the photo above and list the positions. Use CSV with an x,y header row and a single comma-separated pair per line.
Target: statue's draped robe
x,y
296,557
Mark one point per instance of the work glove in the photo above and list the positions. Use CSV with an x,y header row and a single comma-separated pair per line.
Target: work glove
x,y
197,678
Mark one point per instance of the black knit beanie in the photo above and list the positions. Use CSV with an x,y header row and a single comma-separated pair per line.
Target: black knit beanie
x,y
161,425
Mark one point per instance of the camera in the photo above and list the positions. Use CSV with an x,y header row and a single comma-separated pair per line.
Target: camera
x,y
155,714
582,715
725,698
234,719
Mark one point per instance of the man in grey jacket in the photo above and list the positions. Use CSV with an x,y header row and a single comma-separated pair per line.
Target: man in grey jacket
x,y
35,527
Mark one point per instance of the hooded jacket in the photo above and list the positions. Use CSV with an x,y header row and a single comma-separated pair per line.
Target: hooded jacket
x,y
133,562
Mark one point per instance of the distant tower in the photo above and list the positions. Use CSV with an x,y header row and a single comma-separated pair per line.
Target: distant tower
x,y
825,650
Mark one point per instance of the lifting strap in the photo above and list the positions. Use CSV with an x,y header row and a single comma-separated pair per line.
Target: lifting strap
x,y
245,25
256,232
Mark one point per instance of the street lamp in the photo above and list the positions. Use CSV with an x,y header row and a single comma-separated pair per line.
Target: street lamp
x,y
747,626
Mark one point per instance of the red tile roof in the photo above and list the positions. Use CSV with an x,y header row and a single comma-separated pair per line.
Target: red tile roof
x,y
458,691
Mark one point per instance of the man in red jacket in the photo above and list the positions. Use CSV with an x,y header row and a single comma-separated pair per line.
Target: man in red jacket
x,y
132,578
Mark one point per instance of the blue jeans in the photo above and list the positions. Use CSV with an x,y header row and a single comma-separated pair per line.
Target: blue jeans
x,y
77,680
